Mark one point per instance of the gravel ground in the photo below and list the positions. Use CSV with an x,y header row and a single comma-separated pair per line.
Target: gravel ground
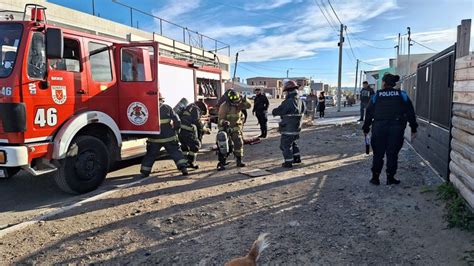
x,y
321,212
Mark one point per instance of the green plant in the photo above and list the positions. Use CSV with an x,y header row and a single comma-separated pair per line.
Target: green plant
x,y
458,213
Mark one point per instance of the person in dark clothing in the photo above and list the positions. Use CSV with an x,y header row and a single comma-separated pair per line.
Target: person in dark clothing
x,y
260,110
321,104
291,112
388,112
311,104
170,124
190,136
365,94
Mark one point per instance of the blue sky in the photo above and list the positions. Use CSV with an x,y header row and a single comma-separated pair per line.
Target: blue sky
x,y
282,34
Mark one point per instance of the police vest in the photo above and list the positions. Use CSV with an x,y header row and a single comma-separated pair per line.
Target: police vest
x,y
389,104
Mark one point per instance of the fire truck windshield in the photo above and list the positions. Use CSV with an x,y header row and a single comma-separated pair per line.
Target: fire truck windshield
x,y
10,35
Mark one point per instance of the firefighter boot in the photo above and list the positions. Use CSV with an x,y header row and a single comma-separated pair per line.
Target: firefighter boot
x,y
192,162
184,170
239,162
287,165
264,134
375,179
297,159
392,181
222,162
144,174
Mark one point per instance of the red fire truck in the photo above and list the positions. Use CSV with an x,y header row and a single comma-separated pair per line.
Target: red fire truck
x,y
73,103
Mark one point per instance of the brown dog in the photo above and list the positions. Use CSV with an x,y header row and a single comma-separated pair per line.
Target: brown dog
x,y
251,259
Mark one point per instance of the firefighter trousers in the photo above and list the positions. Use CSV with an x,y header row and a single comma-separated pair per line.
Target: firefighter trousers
x,y
190,145
153,148
387,139
289,147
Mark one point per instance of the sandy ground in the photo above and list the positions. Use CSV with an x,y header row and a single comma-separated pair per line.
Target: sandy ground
x,y
321,212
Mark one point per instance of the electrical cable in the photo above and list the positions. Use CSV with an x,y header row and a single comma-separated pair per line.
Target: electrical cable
x,y
424,46
329,2
320,9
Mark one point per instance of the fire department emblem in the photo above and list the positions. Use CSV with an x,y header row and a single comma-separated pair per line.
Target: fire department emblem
x,y
59,94
137,113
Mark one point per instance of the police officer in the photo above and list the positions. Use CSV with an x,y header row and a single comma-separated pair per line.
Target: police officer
x,y
230,119
291,112
365,94
389,110
170,125
260,109
192,130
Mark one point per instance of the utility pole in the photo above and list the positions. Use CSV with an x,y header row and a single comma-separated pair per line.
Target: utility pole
x,y
398,46
341,41
360,79
235,67
409,45
357,70
288,72
93,7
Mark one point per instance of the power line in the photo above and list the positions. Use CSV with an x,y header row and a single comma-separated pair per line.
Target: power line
x,y
350,45
360,61
424,46
329,2
322,12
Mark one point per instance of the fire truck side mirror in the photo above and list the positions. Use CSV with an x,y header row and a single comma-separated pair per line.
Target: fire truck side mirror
x,y
54,43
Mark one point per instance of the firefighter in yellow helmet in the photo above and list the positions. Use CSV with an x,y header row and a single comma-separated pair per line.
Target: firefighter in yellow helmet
x,y
230,121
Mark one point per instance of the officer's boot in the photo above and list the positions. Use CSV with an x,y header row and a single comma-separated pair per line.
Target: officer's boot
x,y
296,159
144,174
222,162
375,179
239,161
264,134
391,180
287,165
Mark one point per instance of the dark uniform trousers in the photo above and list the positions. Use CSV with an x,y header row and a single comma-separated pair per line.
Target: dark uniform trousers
x,y
289,147
190,143
262,121
153,148
387,139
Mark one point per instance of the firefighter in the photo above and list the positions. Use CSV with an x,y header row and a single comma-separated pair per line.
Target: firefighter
x,y
291,112
230,120
192,130
170,125
388,112
260,109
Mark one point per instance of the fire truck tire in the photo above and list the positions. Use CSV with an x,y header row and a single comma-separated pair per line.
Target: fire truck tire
x,y
85,167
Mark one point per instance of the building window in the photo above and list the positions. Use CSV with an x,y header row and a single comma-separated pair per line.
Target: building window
x,y
253,83
101,67
264,83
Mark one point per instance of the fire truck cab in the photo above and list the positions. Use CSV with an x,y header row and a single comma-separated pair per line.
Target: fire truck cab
x,y
71,102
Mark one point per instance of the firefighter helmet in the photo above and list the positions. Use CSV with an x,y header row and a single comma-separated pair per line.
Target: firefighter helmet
x,y
290,85
232,96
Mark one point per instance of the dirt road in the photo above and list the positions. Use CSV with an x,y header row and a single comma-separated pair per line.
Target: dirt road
x,y
321,212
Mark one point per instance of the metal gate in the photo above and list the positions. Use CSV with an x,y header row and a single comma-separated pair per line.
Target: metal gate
x,y
433,104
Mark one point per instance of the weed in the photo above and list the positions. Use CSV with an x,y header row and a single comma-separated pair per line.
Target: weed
x,y
458,213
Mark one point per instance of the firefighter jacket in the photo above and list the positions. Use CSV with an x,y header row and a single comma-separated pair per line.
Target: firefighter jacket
x,y
170,125
390,104
291,112
233,114
191,120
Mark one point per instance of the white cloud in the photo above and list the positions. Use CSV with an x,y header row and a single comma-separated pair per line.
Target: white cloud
x,y
309,32
436,36
266,5
226,31
174,9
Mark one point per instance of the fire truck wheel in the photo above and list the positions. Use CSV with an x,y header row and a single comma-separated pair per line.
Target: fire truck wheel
x,y
85,166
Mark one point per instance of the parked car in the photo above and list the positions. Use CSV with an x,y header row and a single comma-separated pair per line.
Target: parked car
x,y
269,96
329,100
343,100
248,94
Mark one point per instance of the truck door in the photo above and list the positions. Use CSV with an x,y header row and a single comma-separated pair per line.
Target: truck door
x,y
138,88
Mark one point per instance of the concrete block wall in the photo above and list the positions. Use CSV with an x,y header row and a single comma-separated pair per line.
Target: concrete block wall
x,y
462,143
